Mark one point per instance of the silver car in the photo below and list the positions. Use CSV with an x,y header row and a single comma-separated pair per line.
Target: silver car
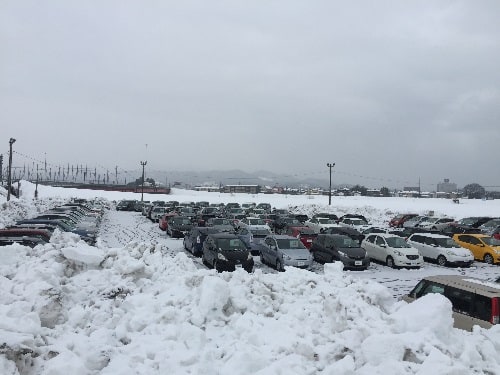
x,y
280,251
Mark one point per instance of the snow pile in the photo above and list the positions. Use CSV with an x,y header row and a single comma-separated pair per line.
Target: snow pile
x,y
81,310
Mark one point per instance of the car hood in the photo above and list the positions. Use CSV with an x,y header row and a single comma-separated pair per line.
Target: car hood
x,y
297,253
353,251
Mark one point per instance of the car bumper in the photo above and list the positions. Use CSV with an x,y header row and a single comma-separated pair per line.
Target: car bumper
x,y
405,262
299,263
232,265
178,233
354,264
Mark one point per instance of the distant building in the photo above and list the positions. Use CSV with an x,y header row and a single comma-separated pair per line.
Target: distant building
x,y
446,186
251,189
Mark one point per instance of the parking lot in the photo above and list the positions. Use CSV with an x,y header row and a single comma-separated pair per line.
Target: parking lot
x,y
119,228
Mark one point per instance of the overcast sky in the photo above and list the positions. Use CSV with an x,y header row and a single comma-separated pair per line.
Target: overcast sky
x,y
390,91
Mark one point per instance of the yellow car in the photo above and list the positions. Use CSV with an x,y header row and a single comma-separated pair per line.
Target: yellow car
x,y
483,247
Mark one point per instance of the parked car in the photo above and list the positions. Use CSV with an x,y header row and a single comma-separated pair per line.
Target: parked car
x,y
193,240
347,231
305,234
87,236
474,301
281,222
43,234
482,246
178,226
282,250
415,221
354,222
436,223
156,213
253,223
338,247
22,240
264,206
453,228
441,249
164,219
398,220
392,250
206,213
474,221
226,252
319,224
490,226
126,205
222,225
252,237
326,214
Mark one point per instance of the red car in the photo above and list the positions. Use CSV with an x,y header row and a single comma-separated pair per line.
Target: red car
x,y
305,234
163,221
397,221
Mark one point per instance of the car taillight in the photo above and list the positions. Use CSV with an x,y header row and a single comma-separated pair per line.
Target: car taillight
x,y
495,311
198,239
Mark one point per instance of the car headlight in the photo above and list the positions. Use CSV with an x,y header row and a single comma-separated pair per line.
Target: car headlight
x,y
449,252
342,254
286,257
221,256
398,253
250,257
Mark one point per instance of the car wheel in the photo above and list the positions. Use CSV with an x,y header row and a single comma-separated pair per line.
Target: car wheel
x,y
441,260
279,266
390,262
488,259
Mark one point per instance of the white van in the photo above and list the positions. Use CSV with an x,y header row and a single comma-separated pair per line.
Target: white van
x,y
474,301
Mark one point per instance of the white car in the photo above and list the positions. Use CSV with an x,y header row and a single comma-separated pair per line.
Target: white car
x,y
157,212
354,222
253,223
319,224
391,249
436,223
440,248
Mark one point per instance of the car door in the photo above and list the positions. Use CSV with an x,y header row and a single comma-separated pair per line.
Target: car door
x,y
272,250
369,246
380,249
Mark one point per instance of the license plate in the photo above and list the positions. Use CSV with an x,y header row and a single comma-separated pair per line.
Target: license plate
x,y
238,266
309,241
358,263
301,263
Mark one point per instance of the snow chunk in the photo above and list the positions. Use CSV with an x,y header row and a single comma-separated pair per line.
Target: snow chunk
x,y
84,254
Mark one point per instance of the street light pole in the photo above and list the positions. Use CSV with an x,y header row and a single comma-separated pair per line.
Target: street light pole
x,y
143,163
9,181
330,165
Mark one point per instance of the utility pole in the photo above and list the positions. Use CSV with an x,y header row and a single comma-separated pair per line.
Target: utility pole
x,y
9,181
1,169
330,165
143,163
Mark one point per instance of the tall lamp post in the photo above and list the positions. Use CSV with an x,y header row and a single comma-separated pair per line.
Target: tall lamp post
x,y
330,165
9,181
143,163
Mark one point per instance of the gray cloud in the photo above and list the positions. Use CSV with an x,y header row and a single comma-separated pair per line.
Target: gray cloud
x,y
387,90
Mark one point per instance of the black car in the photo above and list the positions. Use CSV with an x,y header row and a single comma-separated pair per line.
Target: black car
x,y
351,232
179,226
193,241
327,248
328,215
453,229
226,252
126,205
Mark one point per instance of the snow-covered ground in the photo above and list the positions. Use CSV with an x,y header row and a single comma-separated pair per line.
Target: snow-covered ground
x,y
137,303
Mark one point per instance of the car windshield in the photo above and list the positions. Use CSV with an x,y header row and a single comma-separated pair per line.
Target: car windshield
x,y
397,242
306,231
446,242
260,232
221,222
491,241
289,243
345,242
326,221
491,224
181,221
256,221
229,244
